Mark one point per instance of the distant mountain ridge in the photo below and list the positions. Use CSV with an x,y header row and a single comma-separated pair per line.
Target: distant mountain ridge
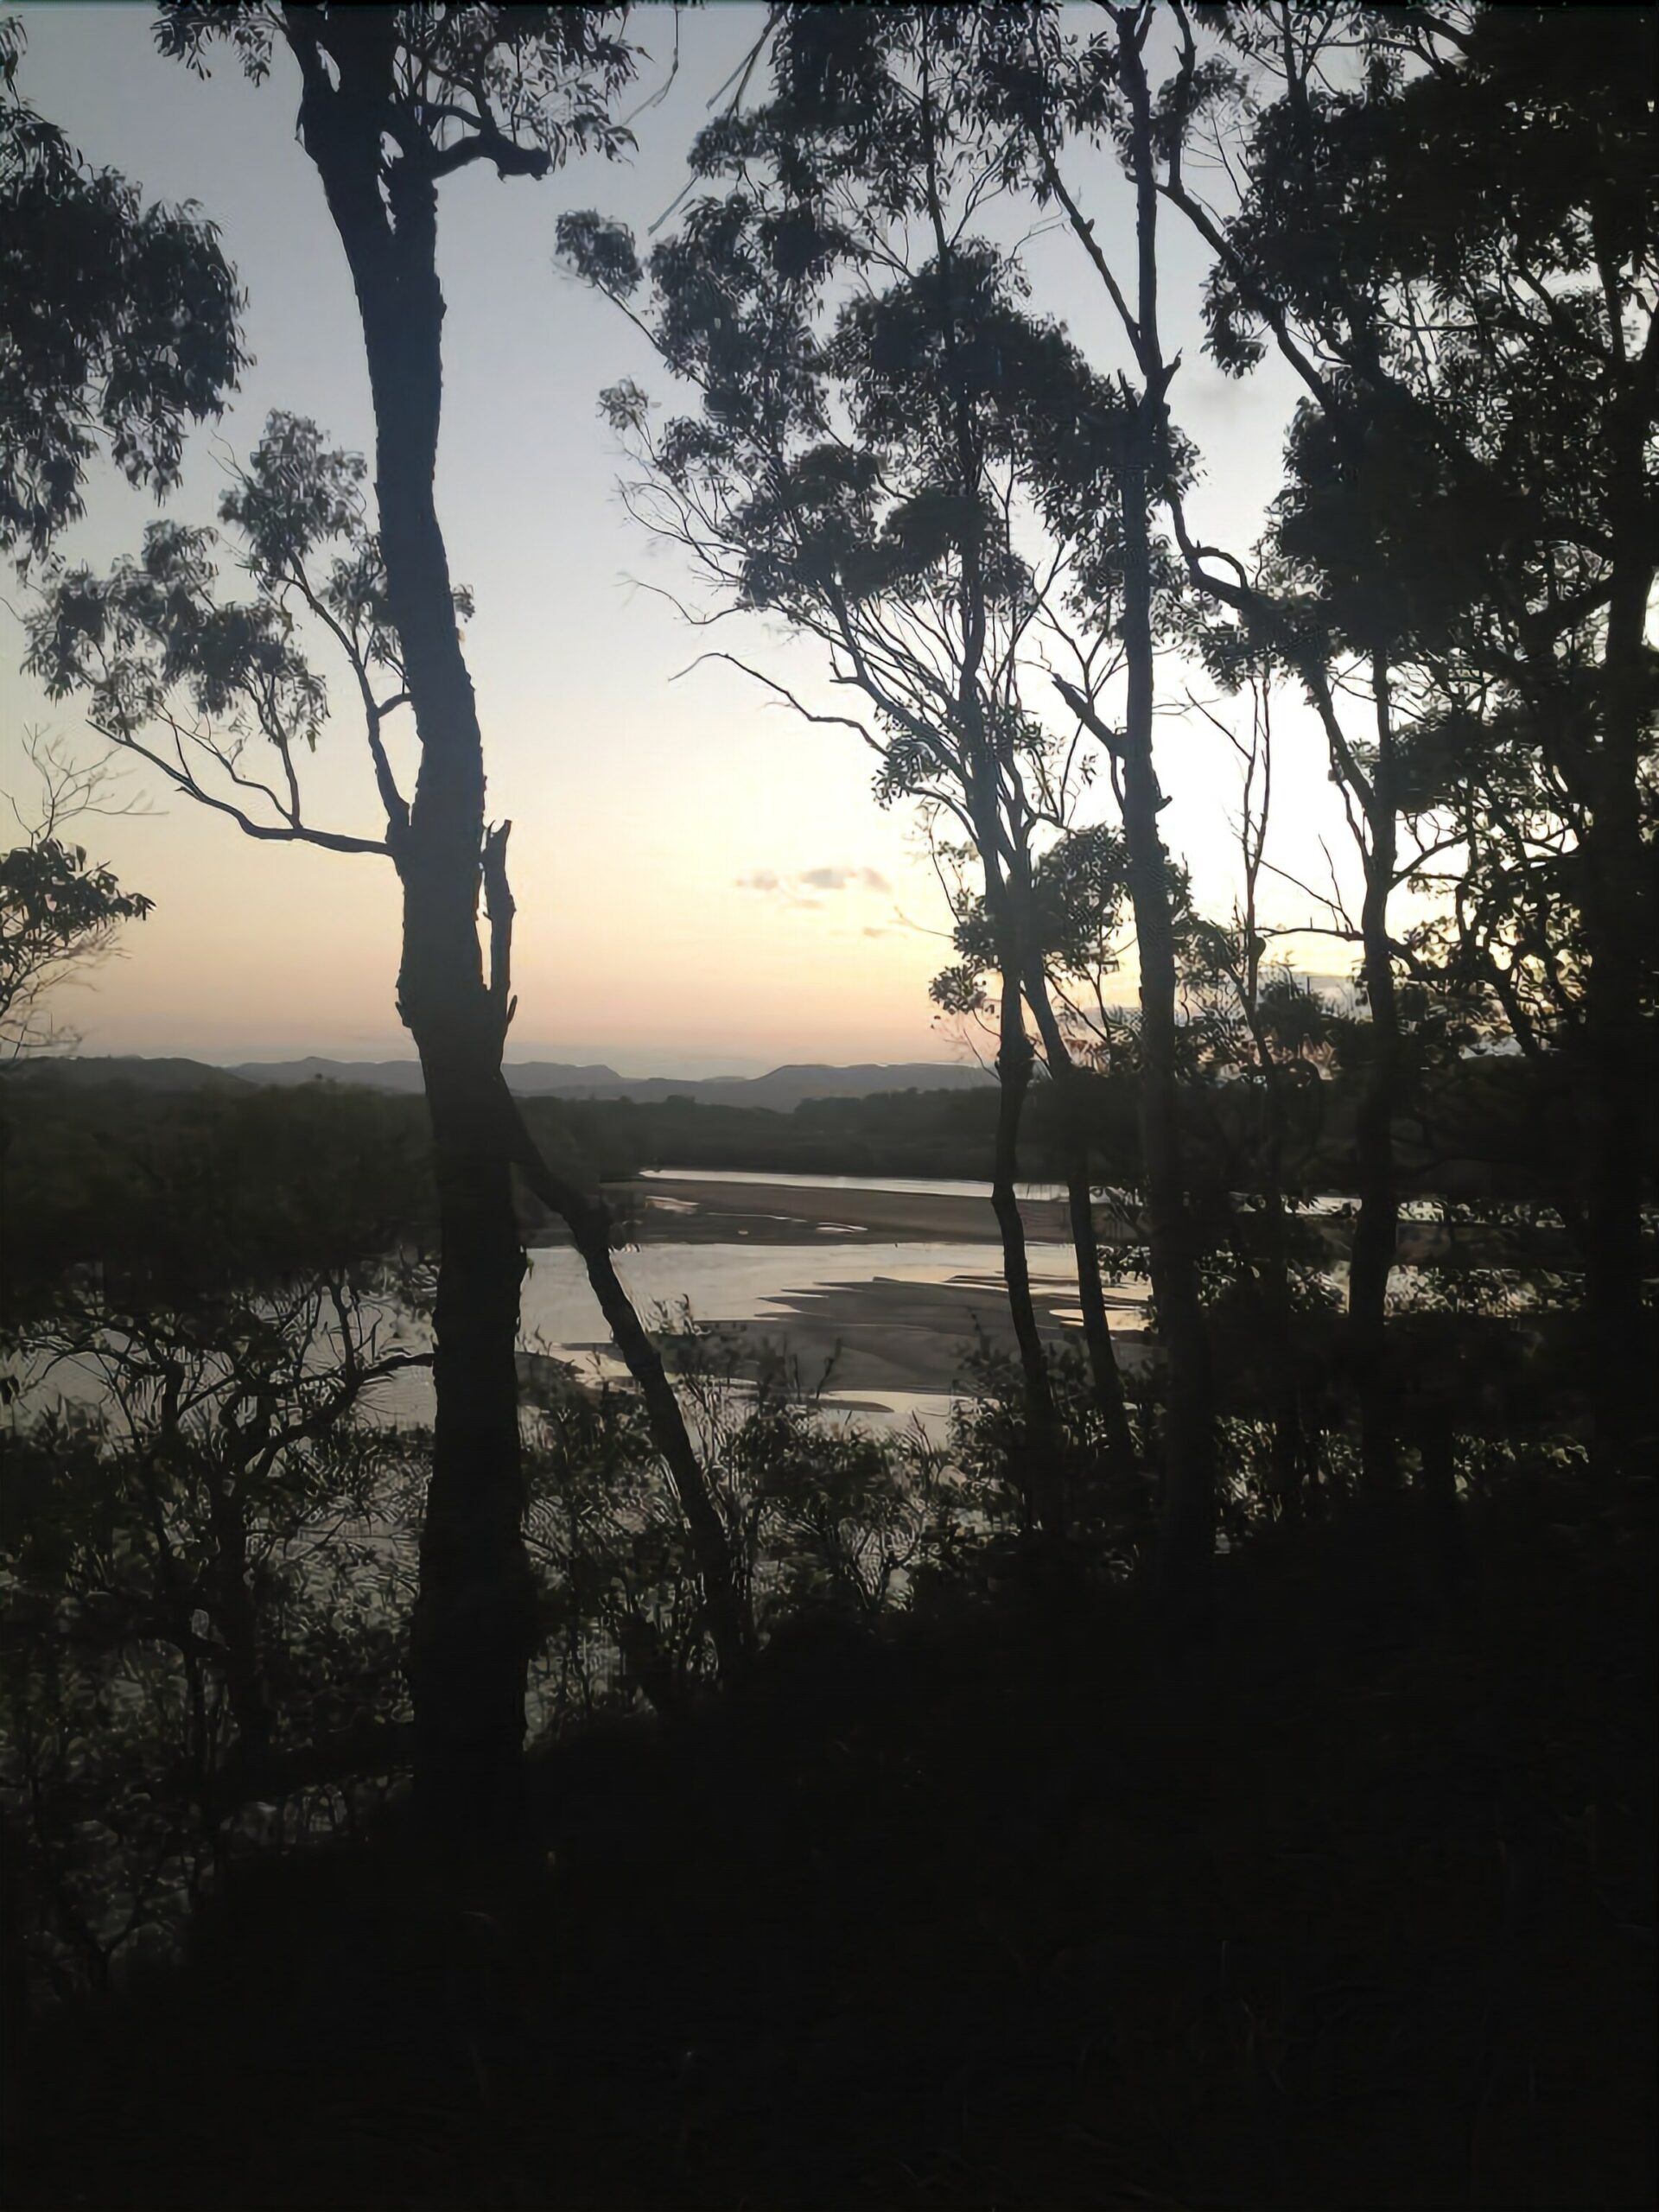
x,y
77,1074
782,1089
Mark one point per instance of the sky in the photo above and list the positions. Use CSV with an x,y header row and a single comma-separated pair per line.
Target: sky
x,y
705,884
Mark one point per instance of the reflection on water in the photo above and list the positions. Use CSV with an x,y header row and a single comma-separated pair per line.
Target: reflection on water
x,y
902,1313
919,1186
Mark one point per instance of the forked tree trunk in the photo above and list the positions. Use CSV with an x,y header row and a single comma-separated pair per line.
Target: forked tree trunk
x,y
1046,1484
473,1617
473,1622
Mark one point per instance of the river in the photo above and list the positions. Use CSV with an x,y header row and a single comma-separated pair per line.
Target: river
x,y
876,1287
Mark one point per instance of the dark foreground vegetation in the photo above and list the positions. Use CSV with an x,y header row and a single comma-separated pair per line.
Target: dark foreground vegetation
x,y
1222,1775
974,1908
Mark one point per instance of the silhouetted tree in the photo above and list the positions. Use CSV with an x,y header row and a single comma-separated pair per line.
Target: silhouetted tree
x,y
206,1513
198,685
1035,84
117,323
1453,241
59,913
59,910
1254,1037
862,468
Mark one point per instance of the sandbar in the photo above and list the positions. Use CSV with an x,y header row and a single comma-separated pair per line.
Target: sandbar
x,y
665,1210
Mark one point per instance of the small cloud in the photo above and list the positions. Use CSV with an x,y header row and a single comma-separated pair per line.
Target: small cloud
x,y
868,931
795,887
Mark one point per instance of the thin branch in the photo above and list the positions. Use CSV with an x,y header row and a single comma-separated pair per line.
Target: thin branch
x,y
179,776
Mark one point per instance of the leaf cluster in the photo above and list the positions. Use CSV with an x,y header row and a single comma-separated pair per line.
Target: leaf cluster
x,y
120,324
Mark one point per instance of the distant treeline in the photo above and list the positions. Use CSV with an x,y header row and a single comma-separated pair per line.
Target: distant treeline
x,y
134,1179
1495,1126
146,1182
892,1133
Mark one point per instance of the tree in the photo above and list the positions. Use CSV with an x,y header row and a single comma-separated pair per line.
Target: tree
x,y
59,912
1472,479
117,323
1035,86
862,466
1253,1036
203,1535
198,686
1252,1040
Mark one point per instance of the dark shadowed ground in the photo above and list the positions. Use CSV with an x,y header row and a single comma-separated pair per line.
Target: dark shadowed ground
x,y
989,1908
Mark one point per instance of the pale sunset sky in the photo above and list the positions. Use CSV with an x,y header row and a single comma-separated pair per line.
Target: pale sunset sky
x,y
704,883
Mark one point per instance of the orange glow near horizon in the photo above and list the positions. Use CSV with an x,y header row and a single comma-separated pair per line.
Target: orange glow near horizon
x,y
646,809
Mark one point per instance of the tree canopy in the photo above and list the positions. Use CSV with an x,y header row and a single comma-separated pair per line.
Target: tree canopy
x,y
119,323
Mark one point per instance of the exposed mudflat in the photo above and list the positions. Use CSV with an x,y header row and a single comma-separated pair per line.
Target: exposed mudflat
x,y
884,1335
666,1210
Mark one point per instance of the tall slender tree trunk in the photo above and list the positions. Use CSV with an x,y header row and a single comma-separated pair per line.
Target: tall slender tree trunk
x,y
1289,1440
1045,1486
1619,1015
1091,1296
1186,1533
1272,1270
236,1619
1616,1099
473,1617
473,1622
1376,1230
